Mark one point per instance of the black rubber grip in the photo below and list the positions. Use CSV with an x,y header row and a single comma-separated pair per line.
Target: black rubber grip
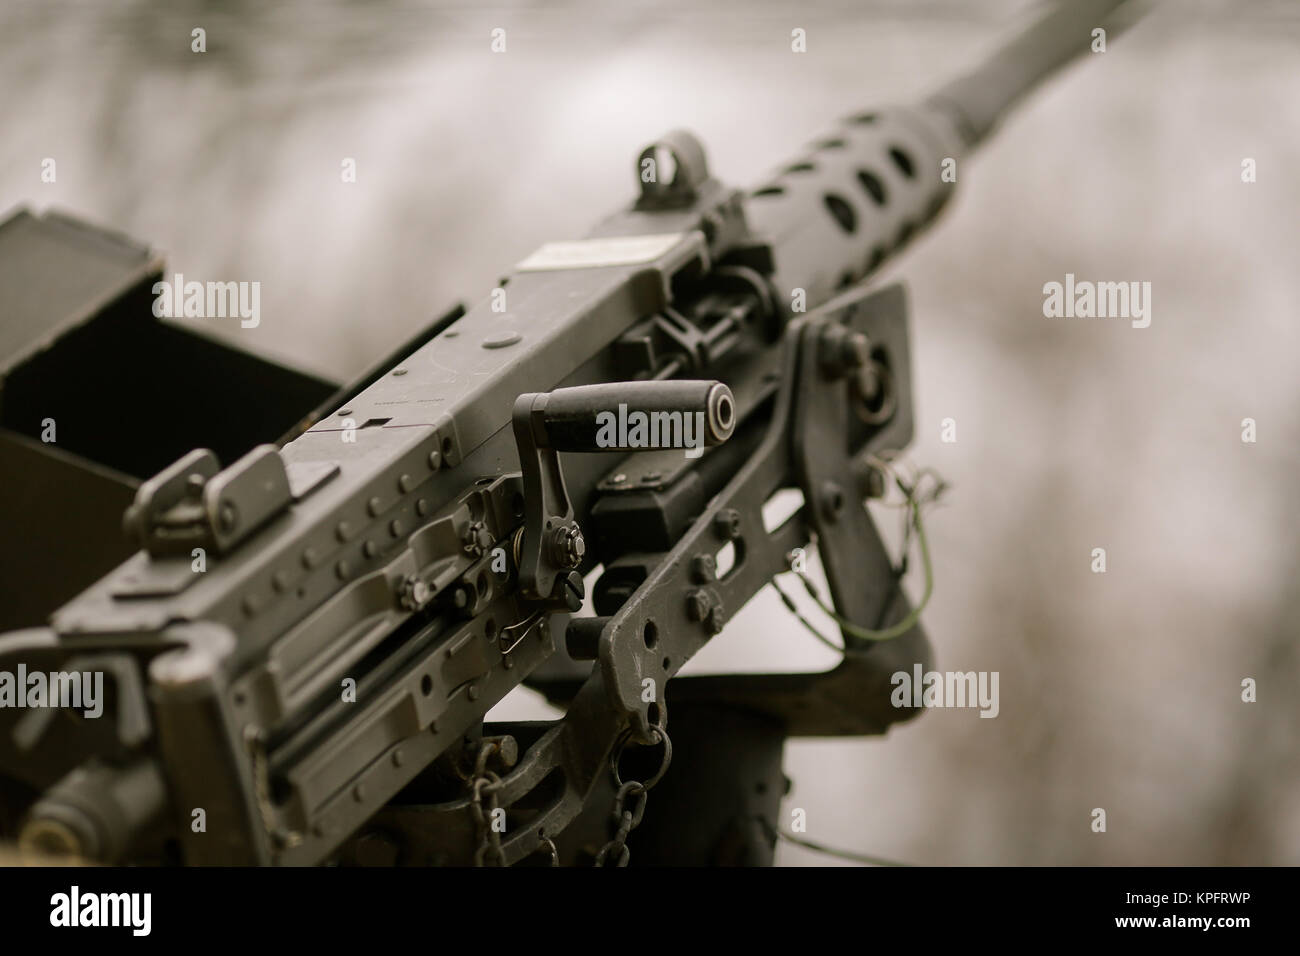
x,y
634,416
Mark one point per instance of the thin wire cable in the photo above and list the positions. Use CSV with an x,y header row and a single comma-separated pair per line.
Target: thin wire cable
x,y
816,847
914,501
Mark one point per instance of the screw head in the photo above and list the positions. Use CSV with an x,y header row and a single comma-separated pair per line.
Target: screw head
x,y
716,619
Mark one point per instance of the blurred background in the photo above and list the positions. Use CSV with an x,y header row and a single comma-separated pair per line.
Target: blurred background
x,y
1119,690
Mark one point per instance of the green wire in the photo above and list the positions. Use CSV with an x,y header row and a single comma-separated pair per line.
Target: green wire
x,y
849,627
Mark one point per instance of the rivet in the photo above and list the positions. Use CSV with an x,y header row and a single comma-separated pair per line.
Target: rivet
x,y
373,506
500,340
405,483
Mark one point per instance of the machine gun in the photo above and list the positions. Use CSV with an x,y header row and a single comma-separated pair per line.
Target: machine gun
x,y
301,655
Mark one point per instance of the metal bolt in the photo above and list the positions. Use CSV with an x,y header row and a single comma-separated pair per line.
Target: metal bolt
x,y
697,605
508,751
414,593
567,546
727,524
704,568
840,350
715,620
867,381
476,539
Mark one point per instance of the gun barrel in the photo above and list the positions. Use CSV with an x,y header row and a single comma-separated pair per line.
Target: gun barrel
x,y
981,97
861,192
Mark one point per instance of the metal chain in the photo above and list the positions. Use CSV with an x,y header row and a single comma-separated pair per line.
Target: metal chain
x,y
483,782
626,820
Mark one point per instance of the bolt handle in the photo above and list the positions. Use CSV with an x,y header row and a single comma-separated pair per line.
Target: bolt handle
x,y
632,416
